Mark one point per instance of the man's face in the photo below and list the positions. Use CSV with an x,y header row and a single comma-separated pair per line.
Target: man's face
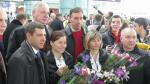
x,y
91,16
41,15
116,24
129,40
3,24
37,39
76,20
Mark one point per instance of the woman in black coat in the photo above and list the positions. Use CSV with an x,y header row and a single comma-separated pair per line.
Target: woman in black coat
x,y
93,46
58,59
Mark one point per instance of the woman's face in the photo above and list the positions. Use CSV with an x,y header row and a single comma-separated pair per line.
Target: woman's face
x,y
95,44
59,45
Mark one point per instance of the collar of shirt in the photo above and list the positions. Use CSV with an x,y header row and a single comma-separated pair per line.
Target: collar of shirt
x,y
96,66
60,62
34,49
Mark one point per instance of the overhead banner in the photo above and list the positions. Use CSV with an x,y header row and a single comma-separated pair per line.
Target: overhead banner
x,y
109,0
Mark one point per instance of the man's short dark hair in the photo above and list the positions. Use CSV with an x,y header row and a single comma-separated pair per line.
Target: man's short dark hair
x,y
75,10
30,28
142,21
116,16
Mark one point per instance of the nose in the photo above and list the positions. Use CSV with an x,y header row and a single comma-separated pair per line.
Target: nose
x,y
44,38
80,19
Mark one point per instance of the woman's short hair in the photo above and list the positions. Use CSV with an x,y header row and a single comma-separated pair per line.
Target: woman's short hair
x,y
92,34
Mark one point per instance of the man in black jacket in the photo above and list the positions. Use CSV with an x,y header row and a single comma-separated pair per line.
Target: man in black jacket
x,y
20,20
28,64
112,36
128,45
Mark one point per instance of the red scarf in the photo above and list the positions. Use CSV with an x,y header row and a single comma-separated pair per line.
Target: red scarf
x,y
116,37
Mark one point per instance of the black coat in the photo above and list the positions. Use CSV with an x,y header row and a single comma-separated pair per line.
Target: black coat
x,y
57,25
71,41
3,76
13,25
18,36
142,75
108,39
52,67
102,57
23,69
15,40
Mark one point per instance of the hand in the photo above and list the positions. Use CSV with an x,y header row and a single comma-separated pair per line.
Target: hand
x,y
109,48
61,71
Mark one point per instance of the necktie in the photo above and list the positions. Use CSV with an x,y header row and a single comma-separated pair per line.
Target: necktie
x,y
41,69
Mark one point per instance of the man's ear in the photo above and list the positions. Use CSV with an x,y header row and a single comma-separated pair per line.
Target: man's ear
x,y
28,35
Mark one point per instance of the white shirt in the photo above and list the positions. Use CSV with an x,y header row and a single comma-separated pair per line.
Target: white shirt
x,y
60,62
96,66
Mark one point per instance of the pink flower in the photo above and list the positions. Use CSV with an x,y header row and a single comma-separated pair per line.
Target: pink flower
x,y
85,72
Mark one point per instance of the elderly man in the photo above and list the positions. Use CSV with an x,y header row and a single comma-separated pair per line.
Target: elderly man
x,y
3,25
27,65
40,13
128,45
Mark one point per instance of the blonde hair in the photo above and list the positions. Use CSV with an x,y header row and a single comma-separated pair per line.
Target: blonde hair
x,y
92,34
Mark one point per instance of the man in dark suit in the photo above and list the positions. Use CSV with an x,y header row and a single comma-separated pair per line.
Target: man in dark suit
x,y
91,20
28,65
40,14
128,45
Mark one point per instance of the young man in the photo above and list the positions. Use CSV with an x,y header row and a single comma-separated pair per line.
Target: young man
x,y
112,36
27,65
140,25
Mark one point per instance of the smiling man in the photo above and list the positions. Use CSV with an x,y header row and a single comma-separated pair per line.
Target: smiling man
x,y
112,36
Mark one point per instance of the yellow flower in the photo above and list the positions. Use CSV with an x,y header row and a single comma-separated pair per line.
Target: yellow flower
x,y
143,46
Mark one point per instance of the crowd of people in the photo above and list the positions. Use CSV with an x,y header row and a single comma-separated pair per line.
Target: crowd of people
x,y
39,52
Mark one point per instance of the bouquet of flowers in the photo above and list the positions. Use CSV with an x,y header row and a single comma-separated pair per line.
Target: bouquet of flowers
x,y
79,75
116,68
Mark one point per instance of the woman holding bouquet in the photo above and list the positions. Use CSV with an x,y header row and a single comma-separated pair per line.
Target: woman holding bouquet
x,y
97,56
59,61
